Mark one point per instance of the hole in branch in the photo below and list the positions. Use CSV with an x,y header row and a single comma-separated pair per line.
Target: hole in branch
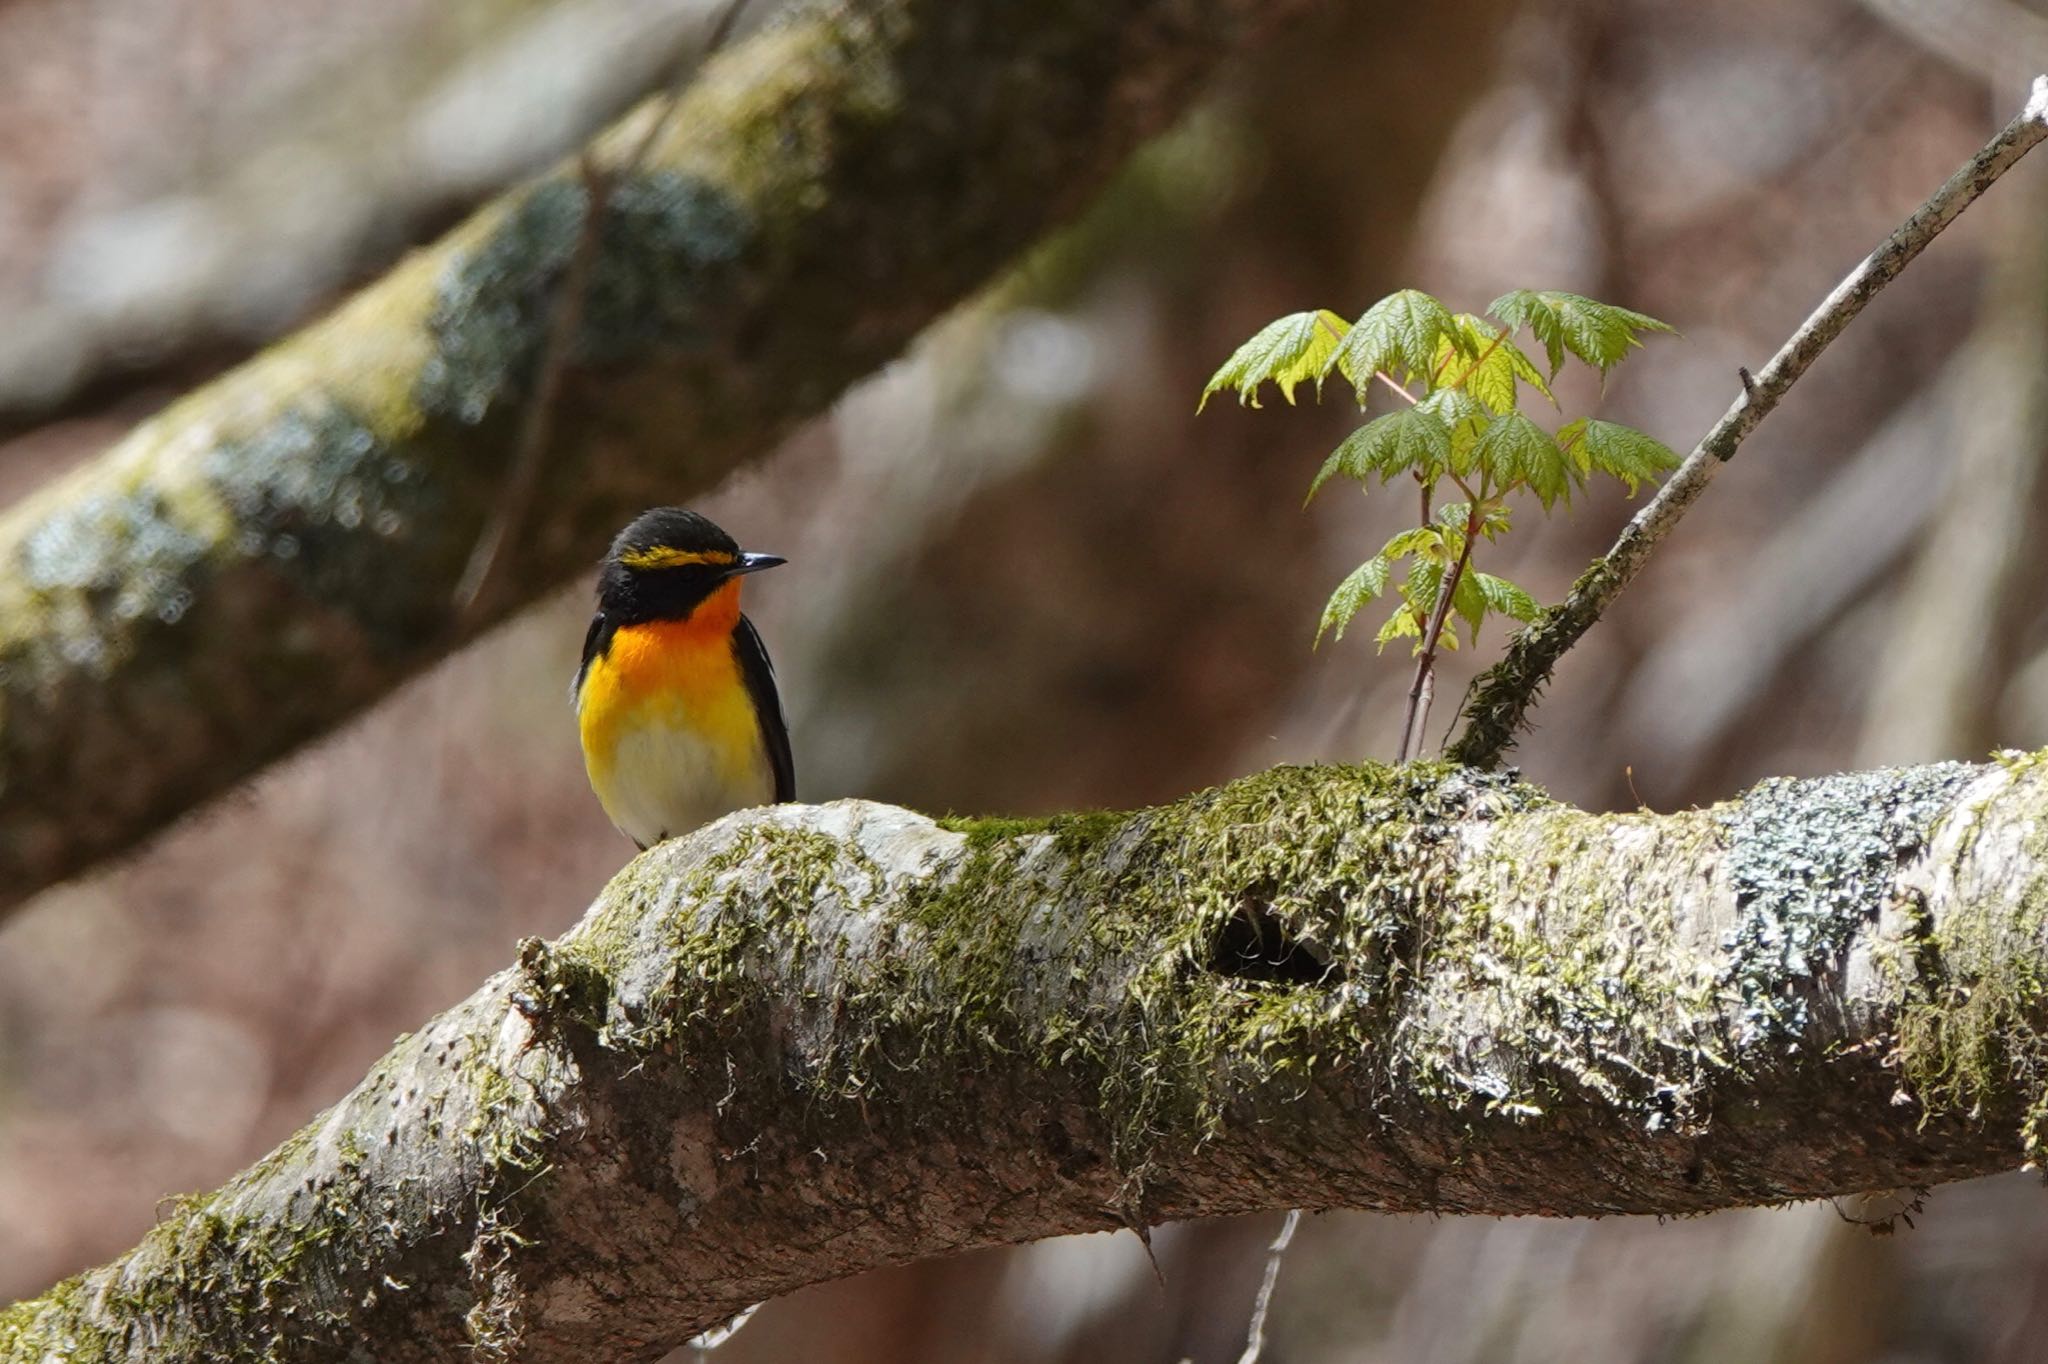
x,y
1254,945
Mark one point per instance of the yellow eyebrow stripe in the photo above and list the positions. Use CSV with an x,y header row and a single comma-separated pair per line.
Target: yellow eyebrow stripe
x,y
663,557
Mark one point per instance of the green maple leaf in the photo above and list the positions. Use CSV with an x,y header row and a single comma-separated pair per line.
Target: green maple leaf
x,y
1427,541
1398,336
1469,603
1464,417
1400,625
1418,597
1363,584
1514,450
1491,376
1292,350
1410,438
1505,597
1601,334
1620,451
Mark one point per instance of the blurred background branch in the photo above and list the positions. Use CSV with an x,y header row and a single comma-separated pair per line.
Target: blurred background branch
x,y
565,323
207,227
283,547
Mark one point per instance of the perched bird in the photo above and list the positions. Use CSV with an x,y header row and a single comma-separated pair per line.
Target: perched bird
x,y
675,697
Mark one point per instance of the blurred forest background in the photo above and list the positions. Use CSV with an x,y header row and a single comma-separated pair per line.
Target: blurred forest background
x,y
1026,577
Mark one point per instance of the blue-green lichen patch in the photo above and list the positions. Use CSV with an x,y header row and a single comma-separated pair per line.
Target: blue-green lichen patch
x,y
666,260
333,509
1810,861
106,562
311,492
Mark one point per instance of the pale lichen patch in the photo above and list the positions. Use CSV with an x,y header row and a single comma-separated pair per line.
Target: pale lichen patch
x,y
1812,863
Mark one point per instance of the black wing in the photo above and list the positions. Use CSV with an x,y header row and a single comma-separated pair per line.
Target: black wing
x,y
759,675
596,640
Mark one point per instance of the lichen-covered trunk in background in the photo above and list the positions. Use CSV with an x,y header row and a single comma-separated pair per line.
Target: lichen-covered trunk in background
x,y
809,1041
280,548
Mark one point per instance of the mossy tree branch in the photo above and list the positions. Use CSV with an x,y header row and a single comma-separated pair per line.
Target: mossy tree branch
x,y
282,547
809,1041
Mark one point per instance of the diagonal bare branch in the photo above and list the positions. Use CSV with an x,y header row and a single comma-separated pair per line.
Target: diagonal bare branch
x,y
1502,697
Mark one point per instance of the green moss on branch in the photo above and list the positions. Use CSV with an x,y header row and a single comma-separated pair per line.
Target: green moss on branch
x,y
808,1041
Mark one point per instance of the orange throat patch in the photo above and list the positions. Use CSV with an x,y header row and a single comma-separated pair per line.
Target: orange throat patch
x,y
670,734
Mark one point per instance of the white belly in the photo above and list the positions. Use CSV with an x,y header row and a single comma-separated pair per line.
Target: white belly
x,y
666,780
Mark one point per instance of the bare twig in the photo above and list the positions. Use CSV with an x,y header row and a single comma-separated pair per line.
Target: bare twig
x,y
1696,687
537,421
1502,699
1255,1337
1973,585
1421,696
721,30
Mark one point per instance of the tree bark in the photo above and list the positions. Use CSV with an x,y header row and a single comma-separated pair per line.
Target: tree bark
x,y
809,1041
281,548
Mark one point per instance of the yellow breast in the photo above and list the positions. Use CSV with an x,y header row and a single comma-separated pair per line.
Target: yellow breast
x,y
670,735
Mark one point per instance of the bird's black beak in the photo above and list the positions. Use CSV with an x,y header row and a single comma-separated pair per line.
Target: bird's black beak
x,y
754,563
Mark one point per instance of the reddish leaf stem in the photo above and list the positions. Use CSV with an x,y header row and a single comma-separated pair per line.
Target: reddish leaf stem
x,y
1423,690
1484,356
